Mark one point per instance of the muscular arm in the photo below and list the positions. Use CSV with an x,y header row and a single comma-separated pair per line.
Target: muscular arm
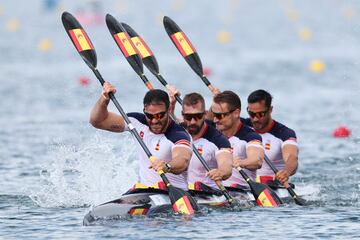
x,y
101,118
224,161
290,156
180,159
255,156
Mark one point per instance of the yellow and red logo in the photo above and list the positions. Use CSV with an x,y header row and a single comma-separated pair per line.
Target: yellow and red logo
x,y
125,44
267,146
80,39
137,211
183,44
141,46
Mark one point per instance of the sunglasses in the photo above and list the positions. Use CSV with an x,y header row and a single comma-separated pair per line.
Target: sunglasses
x,y
157,116
257,114
221,116
190,116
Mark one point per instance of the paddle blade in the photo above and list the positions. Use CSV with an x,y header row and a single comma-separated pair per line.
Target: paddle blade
x,y
144,51
80,39
184,46
181,201
124,43
298,200
264,196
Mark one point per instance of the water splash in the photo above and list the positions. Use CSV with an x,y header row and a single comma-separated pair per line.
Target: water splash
x,y
92,173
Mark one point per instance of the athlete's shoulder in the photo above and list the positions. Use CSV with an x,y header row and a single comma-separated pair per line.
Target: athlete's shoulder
x,y
138,116
177,134
248,134
215,136
283,132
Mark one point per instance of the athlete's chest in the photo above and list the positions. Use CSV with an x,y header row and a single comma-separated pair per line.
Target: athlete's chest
x,y
206,148
272,144
155,142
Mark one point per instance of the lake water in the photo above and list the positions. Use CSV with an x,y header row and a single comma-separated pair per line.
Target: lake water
x,y
54,165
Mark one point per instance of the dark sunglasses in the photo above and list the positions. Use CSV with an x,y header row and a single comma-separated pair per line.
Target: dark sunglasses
x,y
221,116
257,114
190,116
157,116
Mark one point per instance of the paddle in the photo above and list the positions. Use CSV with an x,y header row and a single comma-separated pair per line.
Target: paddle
x,y
143,50
262,193
298,200
181,201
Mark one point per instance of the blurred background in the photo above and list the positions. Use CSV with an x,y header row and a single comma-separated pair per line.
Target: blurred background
x,y
305,53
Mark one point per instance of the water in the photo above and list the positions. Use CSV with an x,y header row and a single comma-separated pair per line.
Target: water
x,y
54,165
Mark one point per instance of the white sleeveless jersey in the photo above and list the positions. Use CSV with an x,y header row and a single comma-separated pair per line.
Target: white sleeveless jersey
x,y
273,141
160,146
244,138
209,145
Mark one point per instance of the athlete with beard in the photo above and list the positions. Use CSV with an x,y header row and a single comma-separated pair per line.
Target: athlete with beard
x,y
248,151
167,141
210,143
279,141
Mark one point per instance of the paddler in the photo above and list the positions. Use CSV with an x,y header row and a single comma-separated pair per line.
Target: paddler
x,y
168,142
210,143
279,141
246,144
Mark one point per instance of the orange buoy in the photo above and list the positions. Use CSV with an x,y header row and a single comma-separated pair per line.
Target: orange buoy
x,y
341,132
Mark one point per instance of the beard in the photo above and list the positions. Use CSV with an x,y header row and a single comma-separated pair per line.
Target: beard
x,y
194,129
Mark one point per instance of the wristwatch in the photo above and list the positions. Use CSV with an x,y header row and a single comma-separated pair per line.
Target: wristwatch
x,y
167,167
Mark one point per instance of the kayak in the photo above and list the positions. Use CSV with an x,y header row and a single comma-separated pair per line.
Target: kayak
x,y
148,201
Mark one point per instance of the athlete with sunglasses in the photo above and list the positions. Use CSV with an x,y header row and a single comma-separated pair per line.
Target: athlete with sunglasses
x,y
279,141
248,151
168,142
210,143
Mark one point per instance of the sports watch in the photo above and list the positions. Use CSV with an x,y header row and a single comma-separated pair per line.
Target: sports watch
x,y
167,167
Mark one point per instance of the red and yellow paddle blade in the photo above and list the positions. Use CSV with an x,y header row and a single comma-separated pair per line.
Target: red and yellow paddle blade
x,y
144,51
183,44
125,44
182,202
265,199
80,39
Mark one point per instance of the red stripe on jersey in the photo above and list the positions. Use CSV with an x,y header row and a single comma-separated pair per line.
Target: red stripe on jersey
x,y
183,142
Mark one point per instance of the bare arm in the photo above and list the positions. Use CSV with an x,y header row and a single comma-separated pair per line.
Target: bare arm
x,y
254,160
290,156
224,161
101,118
180,159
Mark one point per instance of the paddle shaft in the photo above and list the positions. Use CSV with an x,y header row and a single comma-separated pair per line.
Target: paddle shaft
x,y
286,184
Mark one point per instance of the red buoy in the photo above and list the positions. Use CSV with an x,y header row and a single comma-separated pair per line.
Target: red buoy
x,y
84,81
341,132
207,71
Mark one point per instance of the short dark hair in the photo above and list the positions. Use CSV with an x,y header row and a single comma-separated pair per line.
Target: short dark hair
x,y
156,96
260,95
229,97
193,98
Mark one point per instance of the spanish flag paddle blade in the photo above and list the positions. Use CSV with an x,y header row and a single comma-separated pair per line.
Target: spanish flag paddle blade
x,y
182,202
184,46
80,39
125,44
263,195
145,52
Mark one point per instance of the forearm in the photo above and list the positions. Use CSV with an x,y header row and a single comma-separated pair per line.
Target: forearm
x,y
254,158
224,161
291,164
180,160
99,112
